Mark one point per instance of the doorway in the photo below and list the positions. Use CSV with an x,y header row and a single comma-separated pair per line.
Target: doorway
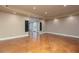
x,y
34,29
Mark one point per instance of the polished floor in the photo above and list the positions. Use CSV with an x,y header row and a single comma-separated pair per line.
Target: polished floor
x,y
47,43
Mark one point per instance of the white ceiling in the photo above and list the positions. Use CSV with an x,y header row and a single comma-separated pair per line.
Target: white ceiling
x,y
52,10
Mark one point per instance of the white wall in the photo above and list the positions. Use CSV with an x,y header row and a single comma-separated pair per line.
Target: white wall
x,y
67,26
14,25
11,25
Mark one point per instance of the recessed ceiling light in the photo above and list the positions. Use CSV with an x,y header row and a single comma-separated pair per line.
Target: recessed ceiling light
x,y
34,7
55,20
71,17
45,12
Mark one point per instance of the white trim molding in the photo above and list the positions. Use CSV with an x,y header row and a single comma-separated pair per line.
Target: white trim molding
x,y
13,37
61,34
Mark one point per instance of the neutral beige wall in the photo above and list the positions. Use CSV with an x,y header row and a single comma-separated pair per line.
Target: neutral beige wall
x,y
67,26
11,24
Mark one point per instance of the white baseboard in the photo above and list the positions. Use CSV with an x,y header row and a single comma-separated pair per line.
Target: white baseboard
x,y
61,34
9,38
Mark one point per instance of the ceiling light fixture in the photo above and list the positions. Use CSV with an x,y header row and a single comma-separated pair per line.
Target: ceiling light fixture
x,y
46,12
34,7
55,20
71,17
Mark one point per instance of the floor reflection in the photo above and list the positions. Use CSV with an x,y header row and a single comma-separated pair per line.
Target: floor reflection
x,y
48,43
